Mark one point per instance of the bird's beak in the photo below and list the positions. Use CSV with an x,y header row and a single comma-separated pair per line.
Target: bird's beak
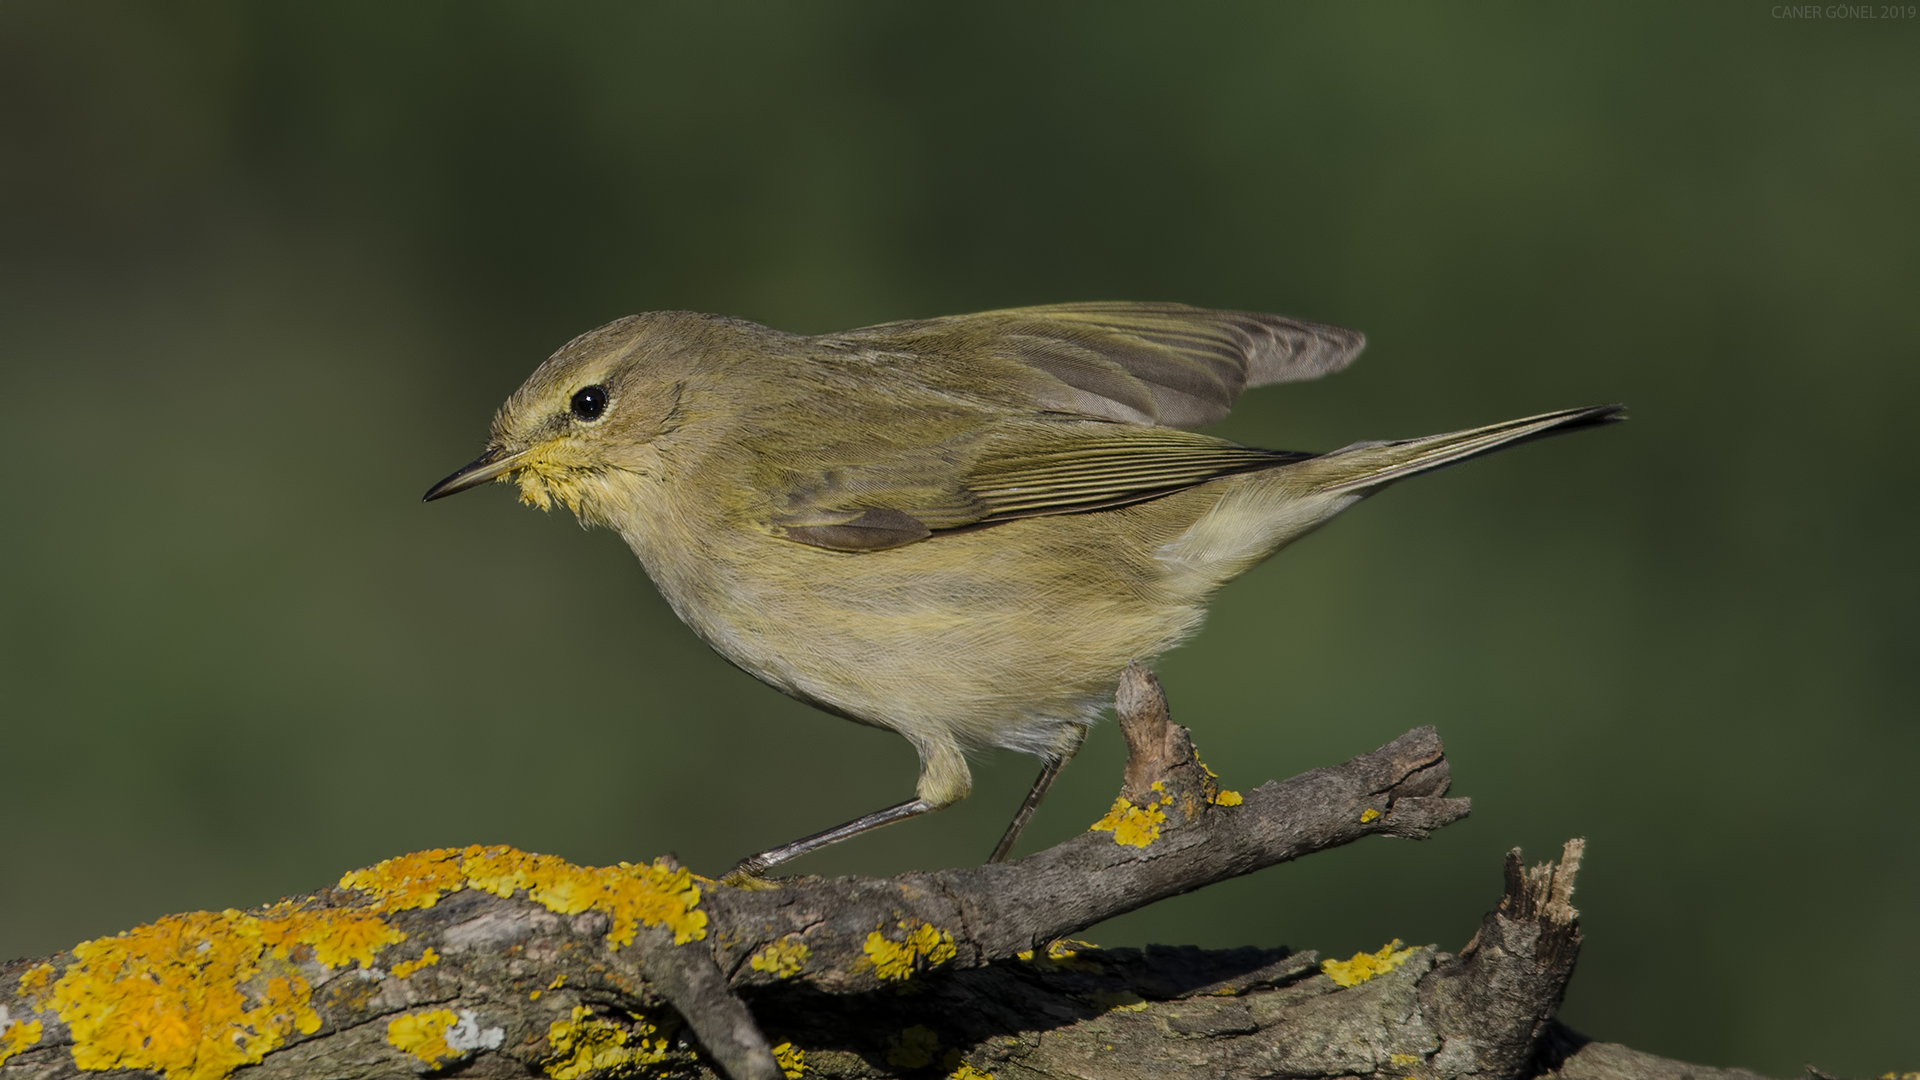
x,y
476,472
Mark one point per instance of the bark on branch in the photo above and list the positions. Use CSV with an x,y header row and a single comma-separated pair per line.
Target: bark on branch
x,y
486,962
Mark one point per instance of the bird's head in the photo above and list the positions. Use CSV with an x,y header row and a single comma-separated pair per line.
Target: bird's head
x,y
583,428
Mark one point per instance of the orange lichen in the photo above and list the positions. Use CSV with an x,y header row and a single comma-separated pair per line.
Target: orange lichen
x,y
407,967
1135,826
500,870
585,1044
791,1059
338,936
1365,966
652,896
1225,798
424,1034
783,958
897,960
410,881
631,896
196,996
16,1035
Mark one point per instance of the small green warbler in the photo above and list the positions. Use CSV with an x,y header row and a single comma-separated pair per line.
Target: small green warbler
x,y
958,529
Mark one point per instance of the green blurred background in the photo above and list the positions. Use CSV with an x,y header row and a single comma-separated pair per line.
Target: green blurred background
x,y
265,271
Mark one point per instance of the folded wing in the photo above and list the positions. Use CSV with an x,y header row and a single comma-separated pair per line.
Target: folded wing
x,y
1163,364
1032,469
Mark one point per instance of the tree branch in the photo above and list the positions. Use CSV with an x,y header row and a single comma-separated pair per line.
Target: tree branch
x,y
489,962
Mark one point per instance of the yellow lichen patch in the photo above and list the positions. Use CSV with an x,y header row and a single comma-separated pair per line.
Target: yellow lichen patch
x,y
550,881
500,870
1118,1000
35,984
968,1072
1067,948
1065,953
913,1048
410,881
585,1044
1401,1061
791,1059
653,896
337,936
1365,966
897,959
407,967
16,1036
424,1034
1369,814
783,958
1215,795
194,996
1135,826
568,891
631,896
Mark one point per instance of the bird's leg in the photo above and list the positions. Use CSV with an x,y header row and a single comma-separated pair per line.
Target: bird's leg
x,y
756,865
1040,785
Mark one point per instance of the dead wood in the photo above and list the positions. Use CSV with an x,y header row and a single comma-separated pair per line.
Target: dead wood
x,y
468,970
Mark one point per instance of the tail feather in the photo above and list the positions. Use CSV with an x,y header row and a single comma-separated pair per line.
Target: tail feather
x,y
1365,466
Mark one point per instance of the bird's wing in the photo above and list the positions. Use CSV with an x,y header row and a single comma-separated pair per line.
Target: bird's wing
x,y
1025,469
1166,364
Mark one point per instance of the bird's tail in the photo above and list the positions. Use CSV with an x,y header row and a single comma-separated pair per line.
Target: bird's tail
x,y
1366,467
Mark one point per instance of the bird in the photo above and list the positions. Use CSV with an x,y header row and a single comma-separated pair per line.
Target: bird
x,y
958,529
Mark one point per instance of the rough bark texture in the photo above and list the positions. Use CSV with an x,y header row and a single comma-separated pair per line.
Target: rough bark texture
x,y
926,974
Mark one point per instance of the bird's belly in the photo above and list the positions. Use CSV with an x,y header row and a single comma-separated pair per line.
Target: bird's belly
x,y
994,638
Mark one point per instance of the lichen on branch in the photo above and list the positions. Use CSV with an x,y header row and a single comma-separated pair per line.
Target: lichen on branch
x,y
489,961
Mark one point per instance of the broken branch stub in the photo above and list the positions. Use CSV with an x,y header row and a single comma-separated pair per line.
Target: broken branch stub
x,y
1500,996
1157,748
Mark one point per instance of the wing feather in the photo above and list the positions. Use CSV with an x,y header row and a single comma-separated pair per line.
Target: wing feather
x,y
1063,409
1029,469
1164,364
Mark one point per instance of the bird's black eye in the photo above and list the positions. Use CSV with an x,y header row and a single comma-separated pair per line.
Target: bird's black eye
x,y
590,402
